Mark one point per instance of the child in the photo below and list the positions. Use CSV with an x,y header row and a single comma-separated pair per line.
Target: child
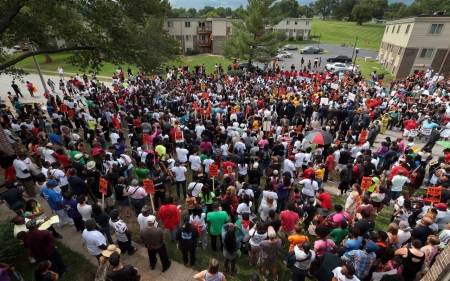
x,y
204,207
190,202
297,237
338,234
296,194
395,263
72,211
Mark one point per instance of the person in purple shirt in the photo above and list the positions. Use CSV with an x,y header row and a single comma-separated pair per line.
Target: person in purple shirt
x,y
72,212
119,147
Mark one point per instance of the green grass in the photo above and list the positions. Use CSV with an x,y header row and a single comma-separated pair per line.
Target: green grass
x,y
367,67
336,32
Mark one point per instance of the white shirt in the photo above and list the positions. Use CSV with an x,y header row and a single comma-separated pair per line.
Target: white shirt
x,y
243,208
207,162
247,191
48,156
114,138
179,173
59,175
10,137
142,221
120,227
182,154
289,167
199,130
19,166
94,239
85,211
266,194
195,187
195,161
299,157
340,277
309,187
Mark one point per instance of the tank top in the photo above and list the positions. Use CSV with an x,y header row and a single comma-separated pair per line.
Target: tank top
x,y
217,277
410,267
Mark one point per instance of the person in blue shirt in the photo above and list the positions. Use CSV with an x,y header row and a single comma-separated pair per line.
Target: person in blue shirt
x,y
354,241
119,147
55,201
55,139
185,120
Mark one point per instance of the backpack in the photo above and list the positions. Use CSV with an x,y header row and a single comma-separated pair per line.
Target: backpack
x,y
266,156
348,175
292,259
360,171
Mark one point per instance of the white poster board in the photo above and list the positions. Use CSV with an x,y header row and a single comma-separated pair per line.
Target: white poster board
x,y
324,101
426,131
334,86
266,126
351,97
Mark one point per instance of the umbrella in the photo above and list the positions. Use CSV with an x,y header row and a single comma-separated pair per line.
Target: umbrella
x,y
319,137
445,144
424,92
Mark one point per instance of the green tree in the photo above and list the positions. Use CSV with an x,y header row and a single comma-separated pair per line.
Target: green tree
x,y
324,7
378,8
254,38
192,12
205,10
178,13
394,10
343,9
221,12
118,36
239,11
362,12
286,8
210,15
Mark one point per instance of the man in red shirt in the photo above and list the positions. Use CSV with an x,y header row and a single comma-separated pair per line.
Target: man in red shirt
x,y
309,171
409,125
289,219
325,199
402,167
228,163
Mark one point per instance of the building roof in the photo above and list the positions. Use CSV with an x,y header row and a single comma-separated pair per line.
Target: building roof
x,y
421,18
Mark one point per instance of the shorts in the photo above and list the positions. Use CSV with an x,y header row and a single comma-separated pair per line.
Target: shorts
x,y
284,233
265,263
124,203
109,201
375,204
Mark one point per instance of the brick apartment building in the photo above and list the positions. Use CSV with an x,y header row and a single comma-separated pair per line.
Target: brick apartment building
x,y
414,43
205,35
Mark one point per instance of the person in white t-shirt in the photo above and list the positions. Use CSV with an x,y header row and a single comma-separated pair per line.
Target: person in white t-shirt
x,y
195,161
345,273
195,187
143,216
95,241
180,177
83,207
182,153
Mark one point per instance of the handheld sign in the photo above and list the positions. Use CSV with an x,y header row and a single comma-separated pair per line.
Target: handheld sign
x,y
247,110
208,111
179,136
71,113
149,187
195,105
146,138
103,186
205,95
366,182
213,170
63,107
363,136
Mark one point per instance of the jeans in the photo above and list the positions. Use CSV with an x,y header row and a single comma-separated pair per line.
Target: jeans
x,y
162,252
298,274
63,218
191,256
102,142
395,195
126,246
281,203
173,232
204,238
107,232
319,182
214,241
306,197
264,167
183,185
137,204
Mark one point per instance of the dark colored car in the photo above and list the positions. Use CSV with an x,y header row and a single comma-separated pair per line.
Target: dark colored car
x,y
343,59
245,64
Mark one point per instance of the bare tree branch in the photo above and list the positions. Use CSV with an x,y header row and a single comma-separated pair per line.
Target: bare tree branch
x,y
29,54
7,21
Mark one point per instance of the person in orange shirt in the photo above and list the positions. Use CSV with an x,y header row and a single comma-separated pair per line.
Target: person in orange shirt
x,y
297,238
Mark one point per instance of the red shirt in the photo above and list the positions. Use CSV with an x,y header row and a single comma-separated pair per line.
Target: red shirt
x,y
63,159
234,202
288,220
170,216
410,125
395,170
308,172
228,163
40,243
325,200
447,158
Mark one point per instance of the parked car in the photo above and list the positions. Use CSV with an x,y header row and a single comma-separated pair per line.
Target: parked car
x,y
289,47
338,66
343,59
286,54
279,57
311,50
252,67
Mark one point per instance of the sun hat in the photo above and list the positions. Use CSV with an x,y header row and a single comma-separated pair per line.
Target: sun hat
x,y
324,212
275,172
49,144
111,249
78,156
90,165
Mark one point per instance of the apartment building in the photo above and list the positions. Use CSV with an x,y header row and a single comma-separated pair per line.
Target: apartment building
x,y
297,28
200,34
416,43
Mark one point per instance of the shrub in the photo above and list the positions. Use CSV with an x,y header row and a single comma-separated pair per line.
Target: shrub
x,y
291,39
192,52
11,249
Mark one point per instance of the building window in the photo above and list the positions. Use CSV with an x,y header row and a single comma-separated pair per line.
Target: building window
x,y
398,28
387,29
187,24
393,29
296,22
387,47
407,28
201,23
426,53
188,49
307,23
188,37
393,70
400,51
392,48
169,24
287,22
436,29
295,30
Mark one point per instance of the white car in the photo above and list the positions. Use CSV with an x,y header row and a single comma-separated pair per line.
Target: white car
x,y
286,54
338,66
279,57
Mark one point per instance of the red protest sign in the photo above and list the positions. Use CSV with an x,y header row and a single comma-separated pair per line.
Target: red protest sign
x,y
149,187
63,107
71,113
233,110
103,188
195,105
209,105
247,110
366,182
213,170
202,111
363,136
205,95
146,138
179,136
208,111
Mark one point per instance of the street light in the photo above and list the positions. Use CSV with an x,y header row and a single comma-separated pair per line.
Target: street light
x,y
318,44
356,55
354,47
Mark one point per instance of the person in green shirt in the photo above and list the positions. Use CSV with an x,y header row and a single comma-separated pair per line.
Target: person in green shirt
x,y
73,153
161,152
216,219
142,172
339,234
207,197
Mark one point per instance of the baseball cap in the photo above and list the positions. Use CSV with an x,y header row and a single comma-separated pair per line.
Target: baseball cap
x,y
441,206
52,183
151,219
371,247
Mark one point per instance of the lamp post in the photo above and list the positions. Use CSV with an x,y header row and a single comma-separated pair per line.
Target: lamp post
x,y
356,55
354,47
318,44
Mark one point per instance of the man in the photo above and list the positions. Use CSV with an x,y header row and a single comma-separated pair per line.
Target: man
x,y
16,89
195,161
153,239
216,219
362,260
329,262
123,234
11,139
14,198
49,154
325,199
289,166
180,178
397,184
24,175
57,173
54,200
143,216
434,137
95,241
365,223
443,216
77,184
304,257
423,230
346,272
289,219
42,247
117,274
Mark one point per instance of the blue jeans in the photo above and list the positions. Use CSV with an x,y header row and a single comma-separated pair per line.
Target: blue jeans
x,y
264,167
137,205
173,232
281,203
395,195
107,232
319,182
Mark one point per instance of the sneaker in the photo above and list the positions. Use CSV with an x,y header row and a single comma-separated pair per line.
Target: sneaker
x,y
165,269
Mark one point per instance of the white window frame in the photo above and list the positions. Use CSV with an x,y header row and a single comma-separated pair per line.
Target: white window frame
x,y
187,24
188,38
170,24
428,53
398,29
407,28
436,28
400,51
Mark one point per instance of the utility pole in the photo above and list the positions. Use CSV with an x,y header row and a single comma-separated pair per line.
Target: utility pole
x,y
38,68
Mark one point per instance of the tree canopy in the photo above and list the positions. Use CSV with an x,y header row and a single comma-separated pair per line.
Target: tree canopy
x,y
95,31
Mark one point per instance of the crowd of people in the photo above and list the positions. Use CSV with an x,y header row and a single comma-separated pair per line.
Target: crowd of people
x,y
272,191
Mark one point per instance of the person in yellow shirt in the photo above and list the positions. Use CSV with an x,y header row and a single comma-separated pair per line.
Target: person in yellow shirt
x,y
319,174
255,125
297,237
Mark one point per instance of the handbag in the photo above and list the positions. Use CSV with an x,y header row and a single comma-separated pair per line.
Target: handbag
x,y
247,246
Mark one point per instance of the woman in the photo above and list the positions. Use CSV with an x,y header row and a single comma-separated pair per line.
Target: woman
x,y
170,216
231,197
430,250
43,272
225,205
352,199
229,174
257,234
239,183
187,240
242,168
412,259
377,197
283,191
122,197
207,196
385,121
392,233
244,207
382,151
310,187
198,219
62,159
321,246
211,274
102,220
231,244
137,196
403,234
83,207
266,207
34,210
269,253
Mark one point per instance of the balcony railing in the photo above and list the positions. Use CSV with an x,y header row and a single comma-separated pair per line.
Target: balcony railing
x,y
203,42
204,29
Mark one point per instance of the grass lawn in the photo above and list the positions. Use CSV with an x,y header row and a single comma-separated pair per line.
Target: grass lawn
x,y
337,32
367,67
